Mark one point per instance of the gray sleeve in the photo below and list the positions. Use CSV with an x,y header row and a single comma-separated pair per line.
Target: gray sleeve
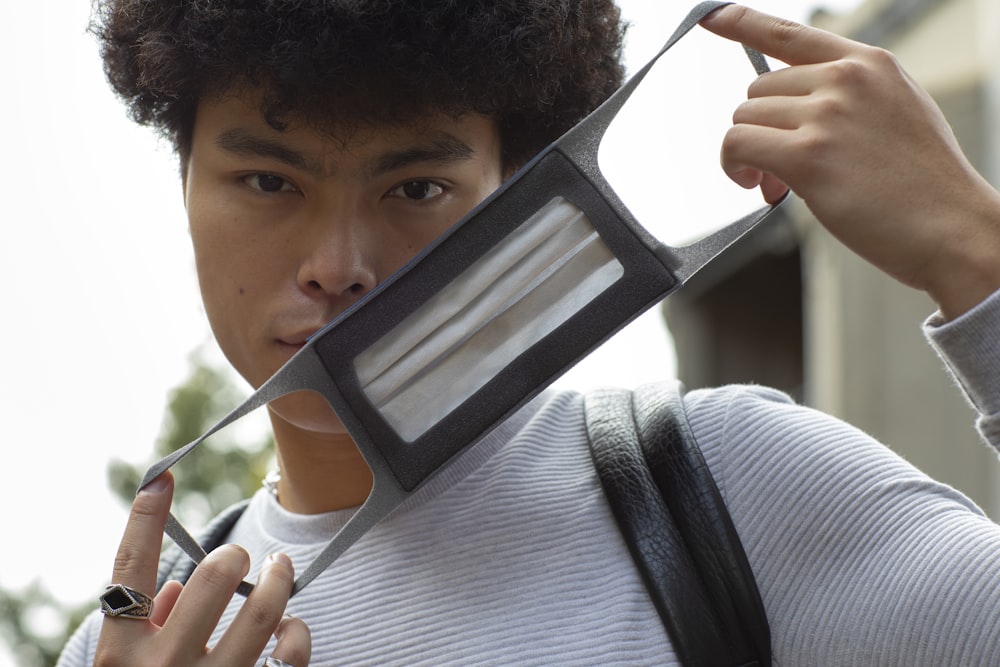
x,y
82,645
860,558
970,347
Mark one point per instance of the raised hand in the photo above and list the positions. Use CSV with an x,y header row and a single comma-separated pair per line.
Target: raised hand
x,y
869,152
183,618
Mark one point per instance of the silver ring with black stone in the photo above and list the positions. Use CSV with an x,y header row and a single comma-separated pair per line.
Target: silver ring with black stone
x,y
123,602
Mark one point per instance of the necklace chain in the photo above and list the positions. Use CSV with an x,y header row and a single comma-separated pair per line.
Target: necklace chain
x,y
270,481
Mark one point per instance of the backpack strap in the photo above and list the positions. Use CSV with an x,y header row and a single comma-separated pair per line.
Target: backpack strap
x,y
676,526
175,565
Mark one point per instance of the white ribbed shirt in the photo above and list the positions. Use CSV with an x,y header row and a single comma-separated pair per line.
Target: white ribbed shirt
x,y
510,556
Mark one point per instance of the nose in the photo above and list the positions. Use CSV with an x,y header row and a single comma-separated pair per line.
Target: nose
x,y
339,260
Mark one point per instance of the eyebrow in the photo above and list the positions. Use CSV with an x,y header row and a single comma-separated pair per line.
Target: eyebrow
x,y
442,149
243,142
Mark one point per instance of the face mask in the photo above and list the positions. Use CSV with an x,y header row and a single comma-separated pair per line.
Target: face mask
x,y
484,319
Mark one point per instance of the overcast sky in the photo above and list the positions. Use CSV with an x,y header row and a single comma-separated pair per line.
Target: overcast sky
x,y
102,309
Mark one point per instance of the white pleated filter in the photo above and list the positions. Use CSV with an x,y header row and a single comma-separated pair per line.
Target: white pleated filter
x,y
526,286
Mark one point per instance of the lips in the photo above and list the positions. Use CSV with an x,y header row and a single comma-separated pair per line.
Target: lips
x,y
297,339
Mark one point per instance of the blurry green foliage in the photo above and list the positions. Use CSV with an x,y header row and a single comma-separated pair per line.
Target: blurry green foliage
x,y
229,466
226,468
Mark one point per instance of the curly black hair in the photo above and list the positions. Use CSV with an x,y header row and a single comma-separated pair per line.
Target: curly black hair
x,y
535,66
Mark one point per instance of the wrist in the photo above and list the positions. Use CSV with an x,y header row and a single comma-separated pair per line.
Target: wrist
x,y
968,268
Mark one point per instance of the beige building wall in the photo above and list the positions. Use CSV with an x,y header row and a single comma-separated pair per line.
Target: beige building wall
x,y
865,359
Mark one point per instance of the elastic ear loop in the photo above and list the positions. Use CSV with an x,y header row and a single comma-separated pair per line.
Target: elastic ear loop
x,y
300,373
306,372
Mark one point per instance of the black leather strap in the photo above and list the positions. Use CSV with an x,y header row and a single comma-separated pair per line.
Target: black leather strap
x,y
677,527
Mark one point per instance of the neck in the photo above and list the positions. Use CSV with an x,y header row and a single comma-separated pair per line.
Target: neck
x,y
320,472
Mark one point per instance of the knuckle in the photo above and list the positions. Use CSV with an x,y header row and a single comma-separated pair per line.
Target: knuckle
x,y
827,109
867,70
814,144
759,84
262,614
743,112
882,58
214,574
784,32
848,72
739,13
734,139
133,558
810,152
129,558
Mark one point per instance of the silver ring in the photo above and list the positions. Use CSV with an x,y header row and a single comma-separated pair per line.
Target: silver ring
x,y
124,602
274,662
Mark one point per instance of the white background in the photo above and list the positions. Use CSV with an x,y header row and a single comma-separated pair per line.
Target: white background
x,y
101,307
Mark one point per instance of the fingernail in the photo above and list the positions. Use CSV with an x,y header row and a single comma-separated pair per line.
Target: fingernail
x,y
158,485
280,560
236,547
711,15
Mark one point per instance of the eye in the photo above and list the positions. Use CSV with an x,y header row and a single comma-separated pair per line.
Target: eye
x,y
417,190
269,183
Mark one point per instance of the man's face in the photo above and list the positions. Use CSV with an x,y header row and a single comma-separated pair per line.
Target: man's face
x,y
292,227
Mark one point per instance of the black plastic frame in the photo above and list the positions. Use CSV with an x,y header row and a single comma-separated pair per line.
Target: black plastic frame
x,y
645,281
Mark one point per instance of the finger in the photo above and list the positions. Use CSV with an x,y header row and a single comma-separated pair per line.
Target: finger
x,y
747,149
785,40
294,642
772,189
746,178
789,81
770,186
206,595
139,550
136,562
260,615
783,113
165,601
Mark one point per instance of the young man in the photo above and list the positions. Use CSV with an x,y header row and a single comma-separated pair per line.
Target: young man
x,y
321,146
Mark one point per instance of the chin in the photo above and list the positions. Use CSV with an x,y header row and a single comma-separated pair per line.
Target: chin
x,y
308,411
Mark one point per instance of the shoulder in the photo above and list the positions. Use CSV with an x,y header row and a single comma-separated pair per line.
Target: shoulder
x,y
794,476
731,406
838,529
753,431
766,451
